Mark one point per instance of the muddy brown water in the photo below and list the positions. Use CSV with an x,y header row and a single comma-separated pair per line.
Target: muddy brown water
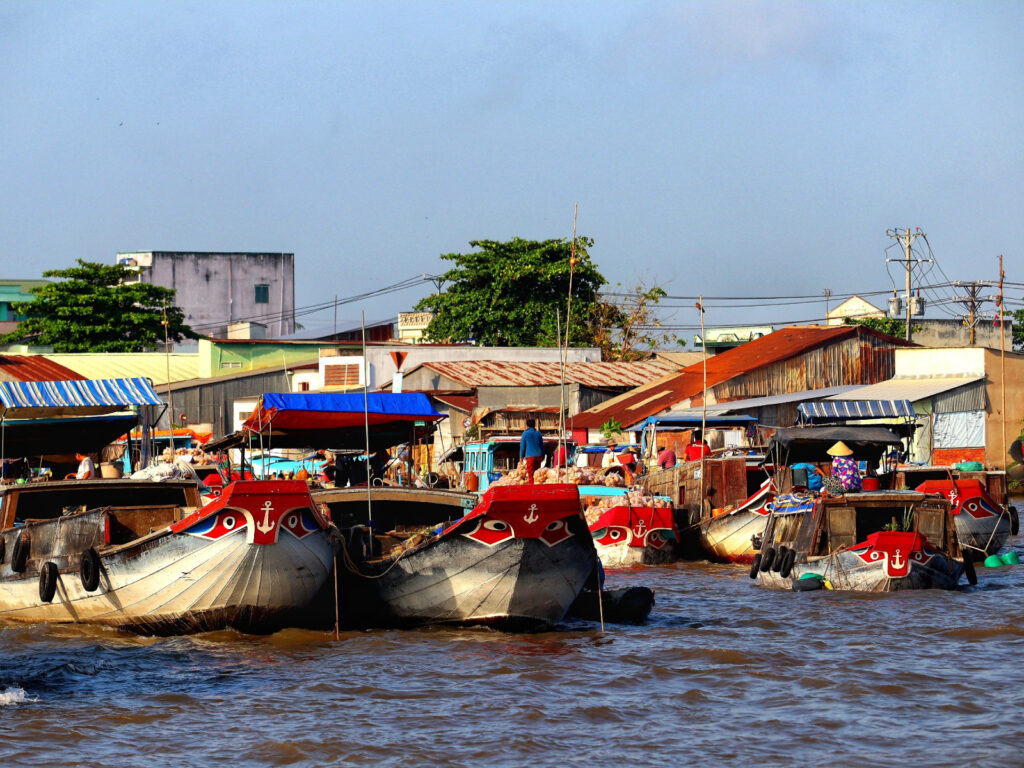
x,y
723,674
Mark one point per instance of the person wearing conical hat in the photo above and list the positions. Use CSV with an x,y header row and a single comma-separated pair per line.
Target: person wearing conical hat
x,y
845,470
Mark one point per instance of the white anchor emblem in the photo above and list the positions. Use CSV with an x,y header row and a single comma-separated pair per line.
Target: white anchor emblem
x,y
640,529
266,526
532,516
897,561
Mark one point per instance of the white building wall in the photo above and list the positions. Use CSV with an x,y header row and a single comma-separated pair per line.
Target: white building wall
x,y
942,361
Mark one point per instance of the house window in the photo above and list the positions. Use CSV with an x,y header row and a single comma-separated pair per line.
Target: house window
x,y
262,294
303,386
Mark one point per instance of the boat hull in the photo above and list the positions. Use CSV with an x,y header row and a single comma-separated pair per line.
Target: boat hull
x,y
521,584
197,578
728,538
886,562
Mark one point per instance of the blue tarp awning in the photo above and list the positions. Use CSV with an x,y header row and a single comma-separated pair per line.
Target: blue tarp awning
x,y
339,420
49,399
827,410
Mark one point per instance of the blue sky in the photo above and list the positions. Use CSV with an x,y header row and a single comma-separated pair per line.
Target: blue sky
x,y
748,149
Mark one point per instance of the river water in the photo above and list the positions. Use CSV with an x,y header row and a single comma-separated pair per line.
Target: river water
x,y
723,674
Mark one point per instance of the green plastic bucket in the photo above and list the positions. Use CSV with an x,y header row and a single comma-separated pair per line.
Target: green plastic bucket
x,y
1011,558
994,561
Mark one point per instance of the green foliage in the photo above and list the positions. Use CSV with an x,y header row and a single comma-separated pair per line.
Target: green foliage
x,y
889,325
611,427
97,309
513,293
1018,330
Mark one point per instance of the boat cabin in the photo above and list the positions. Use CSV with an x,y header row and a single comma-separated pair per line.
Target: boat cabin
x,y
486,460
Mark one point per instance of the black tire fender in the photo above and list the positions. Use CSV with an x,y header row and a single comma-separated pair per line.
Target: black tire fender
x,y
807,585
90,570
3,549
48,576
755,566
1014,523
969,572
787,563
780,555
767,558
19,556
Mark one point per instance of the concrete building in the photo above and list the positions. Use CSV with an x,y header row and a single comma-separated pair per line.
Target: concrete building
x,y
218,290
952,332
12,292
854,308
959,398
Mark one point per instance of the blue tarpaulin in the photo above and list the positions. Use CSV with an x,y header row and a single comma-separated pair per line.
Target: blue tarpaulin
x,y
45,399
821,410
791,504
328,419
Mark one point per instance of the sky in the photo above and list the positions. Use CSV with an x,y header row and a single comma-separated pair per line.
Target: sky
x,y
739,151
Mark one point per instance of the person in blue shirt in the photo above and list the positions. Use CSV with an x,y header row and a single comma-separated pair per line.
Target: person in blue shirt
x,y
531,449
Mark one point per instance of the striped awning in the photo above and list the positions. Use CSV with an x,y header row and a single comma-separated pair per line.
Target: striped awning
x,y
48,399
820,410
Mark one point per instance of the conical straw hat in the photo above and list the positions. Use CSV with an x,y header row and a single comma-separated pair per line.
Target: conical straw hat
x,y
840,449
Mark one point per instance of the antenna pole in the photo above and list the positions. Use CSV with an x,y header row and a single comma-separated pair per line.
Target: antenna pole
x,y
366,417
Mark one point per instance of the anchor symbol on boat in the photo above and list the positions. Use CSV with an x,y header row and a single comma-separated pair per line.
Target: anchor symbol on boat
x,y
266,526
532,516
897,561
640,528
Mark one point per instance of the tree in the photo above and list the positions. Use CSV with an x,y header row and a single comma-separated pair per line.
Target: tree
x,y
515,294
628,327
889,325
1018,330
97,309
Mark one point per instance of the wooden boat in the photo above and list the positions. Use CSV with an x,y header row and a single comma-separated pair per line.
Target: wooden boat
x,y
625,533
150,558
517,561
983,525
515,558
880,541
720,499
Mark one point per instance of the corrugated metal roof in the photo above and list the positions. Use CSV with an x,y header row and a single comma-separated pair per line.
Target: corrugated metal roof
x,y
126,365
35,368
460,402
907,389
720,409
491,373
653,398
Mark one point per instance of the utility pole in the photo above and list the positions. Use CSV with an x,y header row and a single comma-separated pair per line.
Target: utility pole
x,y
828,295
906,239
971,302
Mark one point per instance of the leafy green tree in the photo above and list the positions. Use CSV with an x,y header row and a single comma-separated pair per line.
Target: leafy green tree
x,y
514,293
98,308
1018,330
889,325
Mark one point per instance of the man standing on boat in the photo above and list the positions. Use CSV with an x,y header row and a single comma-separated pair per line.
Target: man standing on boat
x,y
531,449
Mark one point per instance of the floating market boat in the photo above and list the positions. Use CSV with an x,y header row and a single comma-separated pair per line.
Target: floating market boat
x,y
148,557
515,558
628,528
983,525
871,540
517,561
879,541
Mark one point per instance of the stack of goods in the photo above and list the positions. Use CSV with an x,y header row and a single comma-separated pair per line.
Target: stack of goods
x,y
595,506
572,475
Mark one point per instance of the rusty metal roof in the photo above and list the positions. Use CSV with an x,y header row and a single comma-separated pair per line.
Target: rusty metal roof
x,y
657,396
460,402
34,368
491,373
